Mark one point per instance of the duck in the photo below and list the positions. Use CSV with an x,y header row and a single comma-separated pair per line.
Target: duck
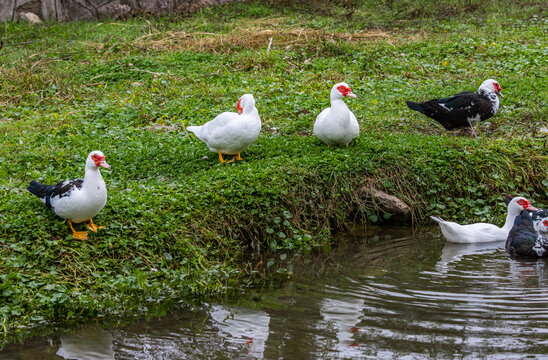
x,y
465,109
231,133
77,200
483,232
529,235
337,125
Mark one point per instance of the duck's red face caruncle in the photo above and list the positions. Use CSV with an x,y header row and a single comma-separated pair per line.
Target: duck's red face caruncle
x,y
526,205
99,161
498,89
346,91
239,106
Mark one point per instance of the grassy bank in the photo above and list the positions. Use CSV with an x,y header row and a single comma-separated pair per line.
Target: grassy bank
x,y
177,221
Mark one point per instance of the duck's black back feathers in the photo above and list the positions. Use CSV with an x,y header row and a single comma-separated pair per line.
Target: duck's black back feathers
x,y
456,111
62,189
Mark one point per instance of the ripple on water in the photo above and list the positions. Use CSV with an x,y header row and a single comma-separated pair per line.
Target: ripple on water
x,y
407,296
476,303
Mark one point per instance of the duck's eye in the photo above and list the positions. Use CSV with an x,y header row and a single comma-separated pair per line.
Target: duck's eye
x,y
344,90
523,203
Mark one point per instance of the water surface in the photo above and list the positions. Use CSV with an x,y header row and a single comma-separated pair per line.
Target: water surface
x,y
396,294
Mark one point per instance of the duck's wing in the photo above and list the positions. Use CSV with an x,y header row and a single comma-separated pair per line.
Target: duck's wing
x,y
61,190
217,124
522,236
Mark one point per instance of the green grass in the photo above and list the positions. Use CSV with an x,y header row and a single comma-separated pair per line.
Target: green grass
x,y
178,225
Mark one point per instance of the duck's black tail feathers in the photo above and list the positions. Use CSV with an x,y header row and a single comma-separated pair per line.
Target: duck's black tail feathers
x,y
415,106
37,189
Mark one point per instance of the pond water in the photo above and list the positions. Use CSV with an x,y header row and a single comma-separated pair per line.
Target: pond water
x,y
397,294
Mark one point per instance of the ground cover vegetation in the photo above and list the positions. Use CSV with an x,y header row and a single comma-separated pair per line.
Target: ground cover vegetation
x,y
178,222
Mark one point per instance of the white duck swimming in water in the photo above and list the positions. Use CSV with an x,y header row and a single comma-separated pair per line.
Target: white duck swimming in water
x,y
483,232
337,125
77,200
231,133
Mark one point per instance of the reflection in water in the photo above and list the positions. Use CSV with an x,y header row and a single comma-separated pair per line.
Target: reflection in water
x,y
453,252
397,295
89,343
342,317
529,273
246,326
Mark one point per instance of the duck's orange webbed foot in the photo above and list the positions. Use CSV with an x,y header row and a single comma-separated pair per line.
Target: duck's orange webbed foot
x,y
221,157
237,157
93,227
79,235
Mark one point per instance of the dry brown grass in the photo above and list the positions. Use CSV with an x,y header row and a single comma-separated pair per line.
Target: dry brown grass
x,y
32,81
251,37
272,32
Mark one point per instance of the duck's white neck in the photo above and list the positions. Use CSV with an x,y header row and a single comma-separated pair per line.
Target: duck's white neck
x,y
92,178
339,108
338,103
248,110
510,218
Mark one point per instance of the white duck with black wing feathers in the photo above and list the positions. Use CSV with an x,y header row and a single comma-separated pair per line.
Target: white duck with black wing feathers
x,y
483,232
231,133
337,125
77,200
465,109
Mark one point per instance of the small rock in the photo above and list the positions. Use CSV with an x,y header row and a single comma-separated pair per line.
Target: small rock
x,y
30,17
400,211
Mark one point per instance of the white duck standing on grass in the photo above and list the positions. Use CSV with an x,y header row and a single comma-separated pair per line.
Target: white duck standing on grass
x,y
483,232
337,125
231,133
77,200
